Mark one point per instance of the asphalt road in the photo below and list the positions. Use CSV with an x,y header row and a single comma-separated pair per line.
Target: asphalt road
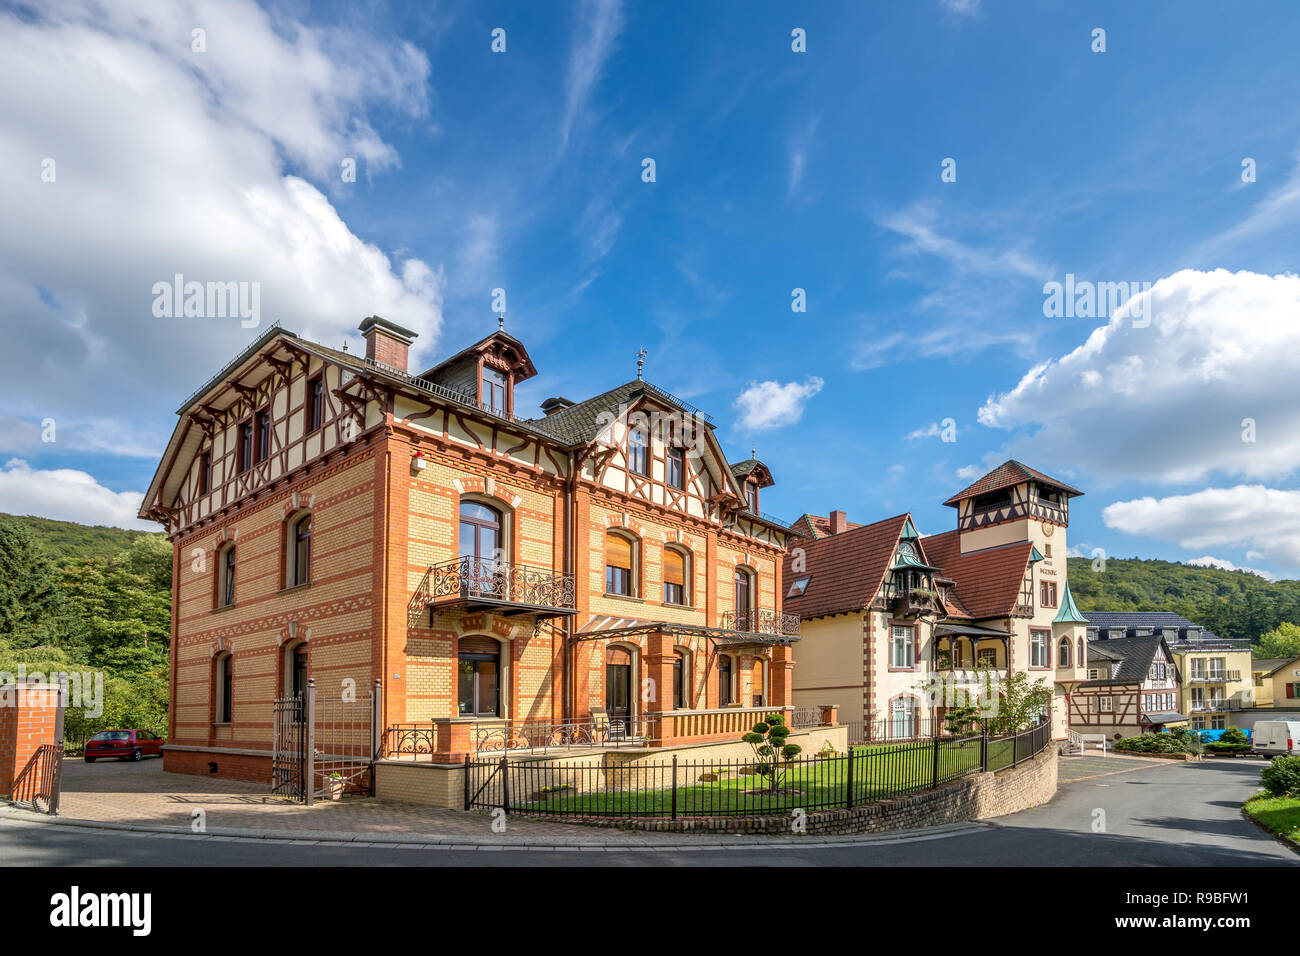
x,y
1179,815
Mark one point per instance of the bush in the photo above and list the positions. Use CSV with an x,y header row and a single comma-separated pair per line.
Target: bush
x,y
1281,778
1223,747
1181,741
1235,736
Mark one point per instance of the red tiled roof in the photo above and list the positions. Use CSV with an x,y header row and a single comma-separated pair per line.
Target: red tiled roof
x,y
1004,476
819,527
847,568
988,581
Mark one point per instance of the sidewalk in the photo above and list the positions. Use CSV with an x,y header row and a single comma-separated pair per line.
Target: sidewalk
x,y
140,797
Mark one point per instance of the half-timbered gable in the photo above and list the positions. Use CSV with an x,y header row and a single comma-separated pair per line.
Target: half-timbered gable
x,y
334,515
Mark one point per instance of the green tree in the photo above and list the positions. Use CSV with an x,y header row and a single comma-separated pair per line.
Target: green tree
x,y
1282,641
1019,703
770,748
33,607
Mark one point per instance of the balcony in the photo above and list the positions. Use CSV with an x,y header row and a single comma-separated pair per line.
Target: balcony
x,y
1214,705
760,621
489,584
1214,677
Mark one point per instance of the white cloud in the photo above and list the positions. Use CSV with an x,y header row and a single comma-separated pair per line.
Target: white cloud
x,y
1265,520
919,224
601,22
1209,561
173,161
67,495
962,8
969,473
770,404
1167,402
929,431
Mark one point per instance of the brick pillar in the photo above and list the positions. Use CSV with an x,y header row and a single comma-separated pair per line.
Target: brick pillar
x,y
29,719
657,687
830,715
455,740
781,674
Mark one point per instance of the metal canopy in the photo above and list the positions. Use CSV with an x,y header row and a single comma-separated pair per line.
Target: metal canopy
x,y
717,635
967,630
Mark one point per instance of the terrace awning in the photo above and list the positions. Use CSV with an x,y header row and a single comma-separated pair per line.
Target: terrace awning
x,y
605,627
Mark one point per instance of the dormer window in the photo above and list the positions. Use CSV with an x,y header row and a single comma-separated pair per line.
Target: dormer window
x,y
638,451
799,586
751,496
493,395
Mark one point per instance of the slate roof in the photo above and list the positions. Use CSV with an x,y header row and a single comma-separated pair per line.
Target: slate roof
x,y
1106,620
847,569
1135,655
988,581
1268,665
1006,475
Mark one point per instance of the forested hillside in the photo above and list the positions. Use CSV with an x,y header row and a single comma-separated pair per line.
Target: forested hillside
x,y
1233,604
75,598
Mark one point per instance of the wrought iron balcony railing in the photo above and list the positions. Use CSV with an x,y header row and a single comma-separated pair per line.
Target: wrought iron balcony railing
x,y
761,621
1214,704
488,581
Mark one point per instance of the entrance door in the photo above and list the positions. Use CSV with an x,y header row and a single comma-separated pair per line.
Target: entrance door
x,y
618,689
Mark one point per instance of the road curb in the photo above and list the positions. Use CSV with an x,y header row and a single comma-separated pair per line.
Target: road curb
x,y
344,838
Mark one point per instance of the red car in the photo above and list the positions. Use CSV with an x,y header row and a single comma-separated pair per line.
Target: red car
x,y
123,744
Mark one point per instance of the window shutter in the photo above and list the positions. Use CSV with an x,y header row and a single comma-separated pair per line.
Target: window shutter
x,y
756,682
617,655
674,568
618,551
478,645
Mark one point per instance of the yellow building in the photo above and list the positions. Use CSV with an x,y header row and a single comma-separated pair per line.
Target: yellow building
x,y
1214,672
890,618
1276,681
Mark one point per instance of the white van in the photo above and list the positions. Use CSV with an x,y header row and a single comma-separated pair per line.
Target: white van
x,y
1276,738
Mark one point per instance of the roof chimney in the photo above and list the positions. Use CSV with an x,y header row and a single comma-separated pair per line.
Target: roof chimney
x,y
387,343
557,404
839,522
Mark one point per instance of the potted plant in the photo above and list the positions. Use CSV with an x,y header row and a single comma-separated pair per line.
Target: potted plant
x,y
334,785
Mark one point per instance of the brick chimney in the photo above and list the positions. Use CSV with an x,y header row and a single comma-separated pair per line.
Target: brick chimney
x,y
839,522
386,342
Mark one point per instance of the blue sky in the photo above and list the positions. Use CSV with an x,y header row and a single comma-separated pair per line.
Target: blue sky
x,y
775,170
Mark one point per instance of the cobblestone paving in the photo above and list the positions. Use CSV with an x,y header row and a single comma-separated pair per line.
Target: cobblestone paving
x,y
141,794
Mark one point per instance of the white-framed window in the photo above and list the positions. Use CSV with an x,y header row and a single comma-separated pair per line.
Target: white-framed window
x,y
902,717
1093,673
1038,652
226,576
902,647
1105,704
1218,722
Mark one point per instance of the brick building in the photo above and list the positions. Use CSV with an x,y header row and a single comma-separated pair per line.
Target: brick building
x,y
336,517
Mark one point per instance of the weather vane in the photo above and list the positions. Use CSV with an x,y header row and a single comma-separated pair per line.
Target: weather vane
x,y
640,362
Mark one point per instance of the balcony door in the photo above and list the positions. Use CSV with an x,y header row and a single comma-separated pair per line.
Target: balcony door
x,y
743,597
618,689
480,547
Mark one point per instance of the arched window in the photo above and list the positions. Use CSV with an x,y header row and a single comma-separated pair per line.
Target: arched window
x,y
295,670
225,687
1063,655
1081,659
744,598
299,568
681,678
480,531
226,576
675,589
724,680
756,683
902,718
620,564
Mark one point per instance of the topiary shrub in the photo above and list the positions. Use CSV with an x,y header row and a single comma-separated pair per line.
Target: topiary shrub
x,y
1281,778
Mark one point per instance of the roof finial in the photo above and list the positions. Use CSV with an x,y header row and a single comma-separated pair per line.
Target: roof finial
x,y
753,453
501,322
640,363
345,345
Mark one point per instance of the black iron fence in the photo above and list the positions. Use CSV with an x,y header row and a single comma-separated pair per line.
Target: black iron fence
x,y
900,728
37,785
706,788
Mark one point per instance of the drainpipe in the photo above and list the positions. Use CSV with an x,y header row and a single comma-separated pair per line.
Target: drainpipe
x,y
570,563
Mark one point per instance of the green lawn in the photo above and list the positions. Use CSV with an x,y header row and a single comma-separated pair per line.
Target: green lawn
x,y
1280,815
878,771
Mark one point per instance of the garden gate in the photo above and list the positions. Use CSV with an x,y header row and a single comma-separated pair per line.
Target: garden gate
x,y
325,746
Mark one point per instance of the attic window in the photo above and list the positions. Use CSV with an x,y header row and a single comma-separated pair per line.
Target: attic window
x,y
751,496
494,391
799,586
